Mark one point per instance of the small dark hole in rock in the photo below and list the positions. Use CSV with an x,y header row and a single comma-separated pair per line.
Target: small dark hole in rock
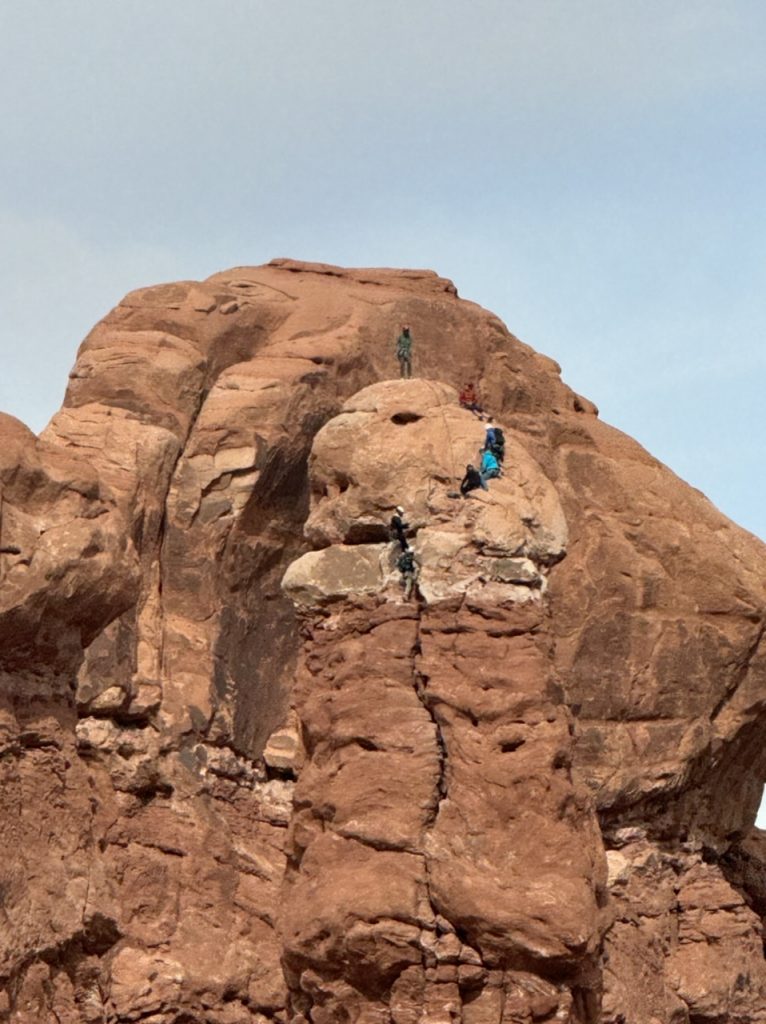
x,y
400,418
508,746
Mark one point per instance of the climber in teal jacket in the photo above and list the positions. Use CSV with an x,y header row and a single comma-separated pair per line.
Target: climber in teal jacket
x,y
490,467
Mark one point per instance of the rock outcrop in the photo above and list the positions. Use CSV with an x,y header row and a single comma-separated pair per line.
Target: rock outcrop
x,y
245,780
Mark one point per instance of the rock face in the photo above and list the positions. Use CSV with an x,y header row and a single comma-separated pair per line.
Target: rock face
x,y
245,780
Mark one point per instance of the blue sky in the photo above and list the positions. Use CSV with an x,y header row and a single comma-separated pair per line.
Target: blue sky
x,y
591,170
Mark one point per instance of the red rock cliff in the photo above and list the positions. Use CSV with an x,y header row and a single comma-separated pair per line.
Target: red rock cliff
x,y
244,780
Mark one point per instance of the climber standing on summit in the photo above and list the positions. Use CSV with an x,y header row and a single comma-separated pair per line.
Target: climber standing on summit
x,y
404,352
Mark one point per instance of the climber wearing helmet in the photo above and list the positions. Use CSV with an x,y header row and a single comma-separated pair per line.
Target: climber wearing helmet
x,y
404,351
398,526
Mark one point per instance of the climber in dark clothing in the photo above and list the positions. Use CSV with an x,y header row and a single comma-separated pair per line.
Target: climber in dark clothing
x,y
398,526
404,352
498,445
472,480
408,567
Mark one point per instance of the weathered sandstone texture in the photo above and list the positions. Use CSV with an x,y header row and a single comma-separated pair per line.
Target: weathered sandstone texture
x,y
243,780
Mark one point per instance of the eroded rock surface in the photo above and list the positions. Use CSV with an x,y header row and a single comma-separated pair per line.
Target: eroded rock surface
x,y
245,780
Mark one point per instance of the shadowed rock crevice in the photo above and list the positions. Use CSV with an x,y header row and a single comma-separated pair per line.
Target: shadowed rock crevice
x,y
744,867
256,653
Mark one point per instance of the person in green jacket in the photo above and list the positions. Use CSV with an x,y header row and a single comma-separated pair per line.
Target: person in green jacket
x,y
404,351
410,571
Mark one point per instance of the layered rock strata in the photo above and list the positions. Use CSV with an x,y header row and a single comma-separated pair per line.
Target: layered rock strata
x,y
244,780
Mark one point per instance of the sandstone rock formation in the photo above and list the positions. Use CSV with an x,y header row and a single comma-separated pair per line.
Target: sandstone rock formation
x,y
245,781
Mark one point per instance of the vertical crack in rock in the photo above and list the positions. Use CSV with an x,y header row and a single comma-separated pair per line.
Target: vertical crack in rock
x,y
420,684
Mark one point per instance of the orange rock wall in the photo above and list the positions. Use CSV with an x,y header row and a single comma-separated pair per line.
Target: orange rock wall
x,y
524,797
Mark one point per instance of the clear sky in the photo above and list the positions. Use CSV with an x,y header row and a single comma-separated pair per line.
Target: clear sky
x,y
591,170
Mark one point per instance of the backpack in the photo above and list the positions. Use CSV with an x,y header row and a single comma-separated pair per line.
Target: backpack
x,y
406,562
499,437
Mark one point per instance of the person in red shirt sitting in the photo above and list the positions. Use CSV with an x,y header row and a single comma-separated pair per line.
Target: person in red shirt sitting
x,y
470,400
